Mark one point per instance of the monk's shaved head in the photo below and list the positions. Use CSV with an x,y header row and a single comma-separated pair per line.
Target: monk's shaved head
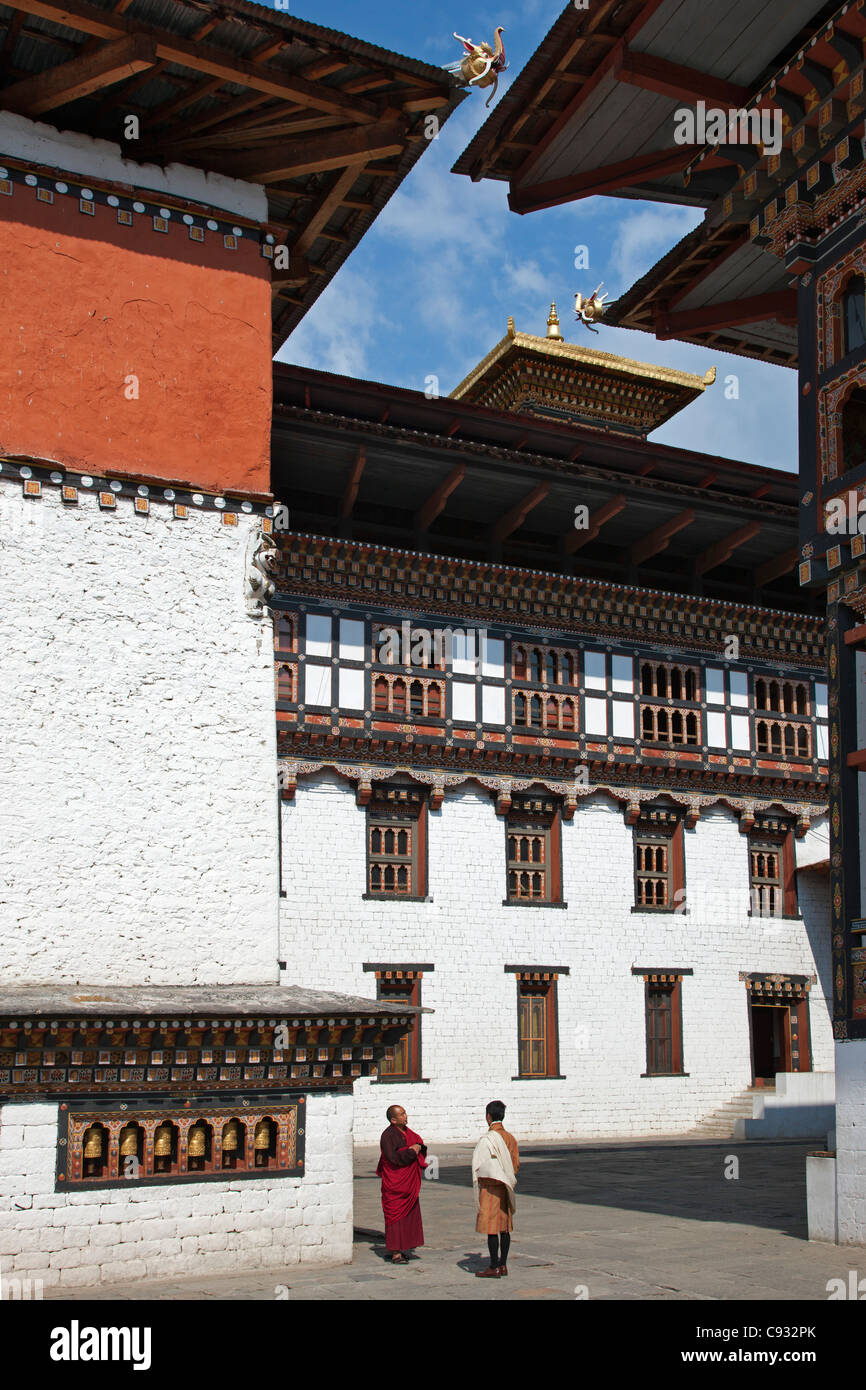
x,y
392,1111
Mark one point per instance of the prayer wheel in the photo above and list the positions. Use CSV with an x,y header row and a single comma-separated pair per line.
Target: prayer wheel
x,y
162,1141
197,1141
93,1142
262,1142
231,1137
129,1141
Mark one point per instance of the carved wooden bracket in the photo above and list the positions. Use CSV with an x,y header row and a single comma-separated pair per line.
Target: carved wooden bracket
x,y
747,821
632,813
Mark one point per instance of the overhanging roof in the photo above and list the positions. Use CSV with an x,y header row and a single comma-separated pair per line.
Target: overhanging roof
x,y
328,124
593,110
388,466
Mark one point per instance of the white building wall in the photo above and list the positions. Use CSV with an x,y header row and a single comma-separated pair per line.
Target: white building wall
x,y
851,1141
469,1044
138,839
109,1235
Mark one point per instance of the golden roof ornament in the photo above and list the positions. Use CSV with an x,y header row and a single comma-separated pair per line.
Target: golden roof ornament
x,y
511,329
553,324
590,309
480,65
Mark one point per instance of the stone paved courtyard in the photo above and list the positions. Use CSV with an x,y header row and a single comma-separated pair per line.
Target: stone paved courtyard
x,y
645,1219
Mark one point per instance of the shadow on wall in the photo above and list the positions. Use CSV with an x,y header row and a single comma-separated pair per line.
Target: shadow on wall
x,y
678,1180
813,892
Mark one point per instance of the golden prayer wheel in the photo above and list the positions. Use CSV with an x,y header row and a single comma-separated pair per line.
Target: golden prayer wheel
x,y
262,1137
231,1136
197,1141
129,1141
93,1142
162,1141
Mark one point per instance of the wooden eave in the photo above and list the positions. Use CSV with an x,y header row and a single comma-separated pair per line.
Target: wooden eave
x,y
564,129
467,480
328,124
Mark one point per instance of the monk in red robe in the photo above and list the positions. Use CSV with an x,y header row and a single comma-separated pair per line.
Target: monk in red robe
x,y
403,1157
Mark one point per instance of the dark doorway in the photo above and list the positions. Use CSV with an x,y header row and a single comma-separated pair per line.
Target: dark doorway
x,y
771,1040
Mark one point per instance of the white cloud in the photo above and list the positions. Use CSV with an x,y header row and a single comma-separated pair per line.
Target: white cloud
x,y
643,238
341,335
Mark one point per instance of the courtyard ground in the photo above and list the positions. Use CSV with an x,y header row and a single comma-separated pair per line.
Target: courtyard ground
x,y
644,1219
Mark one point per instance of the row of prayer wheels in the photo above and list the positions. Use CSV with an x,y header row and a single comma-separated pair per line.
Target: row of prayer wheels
x,y
163,1141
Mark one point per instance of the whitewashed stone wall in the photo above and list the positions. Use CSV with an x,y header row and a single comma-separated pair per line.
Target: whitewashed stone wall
x,y
470,1041
851,1141
111,1235
138,822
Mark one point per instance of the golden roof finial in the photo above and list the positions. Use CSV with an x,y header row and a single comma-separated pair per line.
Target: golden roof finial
x,y
553,324
511,329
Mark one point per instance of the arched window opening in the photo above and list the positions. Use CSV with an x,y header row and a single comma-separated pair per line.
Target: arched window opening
x,y
854,429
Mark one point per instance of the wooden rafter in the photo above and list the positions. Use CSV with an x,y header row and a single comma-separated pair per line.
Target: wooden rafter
x,y
721,551
354,482
287,159
607,179
79,77
513,519
203,58
436,502
775,568
659,539
327,205
574,540
780,305
673,80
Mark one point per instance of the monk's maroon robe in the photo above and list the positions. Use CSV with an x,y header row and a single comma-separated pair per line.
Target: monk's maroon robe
x,y
400,1171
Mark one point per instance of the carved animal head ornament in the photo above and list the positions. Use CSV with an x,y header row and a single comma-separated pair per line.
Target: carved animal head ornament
x,y
481,65
591,308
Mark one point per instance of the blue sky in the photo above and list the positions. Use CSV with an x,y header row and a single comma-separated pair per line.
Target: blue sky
x,y
429,290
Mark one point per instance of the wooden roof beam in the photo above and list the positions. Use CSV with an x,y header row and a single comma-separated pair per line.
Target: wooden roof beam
x,y
204,58
673,80
435,504
775,568
354,482
722,551
780,305
576,539
327,205
659,539
79,77
512,520
293,159
606,179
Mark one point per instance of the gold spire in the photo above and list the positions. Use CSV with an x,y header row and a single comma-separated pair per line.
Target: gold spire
x,y
511,329
553,324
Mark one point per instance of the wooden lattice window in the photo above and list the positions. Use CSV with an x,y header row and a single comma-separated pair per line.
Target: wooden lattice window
x,y
785,697
533,861
674,727
402,1060
536,711
772,875
396,850
782,738
665,681
544,665
663,1008
537,1027
659,868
